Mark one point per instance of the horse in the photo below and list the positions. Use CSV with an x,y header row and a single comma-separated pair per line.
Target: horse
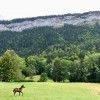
x,y
18,90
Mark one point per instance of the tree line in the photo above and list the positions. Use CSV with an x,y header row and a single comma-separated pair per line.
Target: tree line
x,y
80,67
66,53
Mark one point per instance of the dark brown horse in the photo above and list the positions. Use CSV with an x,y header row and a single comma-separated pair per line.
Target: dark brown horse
x,y
18,90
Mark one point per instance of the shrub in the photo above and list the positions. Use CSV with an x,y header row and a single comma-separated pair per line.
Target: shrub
x,y
43,77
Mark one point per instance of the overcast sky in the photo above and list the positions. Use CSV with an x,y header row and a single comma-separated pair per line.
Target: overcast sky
x,y
11,9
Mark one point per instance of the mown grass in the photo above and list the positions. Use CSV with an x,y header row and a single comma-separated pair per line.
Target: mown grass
x,y
48,91
36,78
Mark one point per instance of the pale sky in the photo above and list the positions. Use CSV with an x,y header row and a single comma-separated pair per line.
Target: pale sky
x,y
11,9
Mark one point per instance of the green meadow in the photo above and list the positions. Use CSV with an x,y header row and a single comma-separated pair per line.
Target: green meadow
x,y
50,91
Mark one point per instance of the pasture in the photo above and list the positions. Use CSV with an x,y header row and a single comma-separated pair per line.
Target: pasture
x,y
50,91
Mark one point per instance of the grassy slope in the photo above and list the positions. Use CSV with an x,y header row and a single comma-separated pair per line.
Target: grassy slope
x,y
49,91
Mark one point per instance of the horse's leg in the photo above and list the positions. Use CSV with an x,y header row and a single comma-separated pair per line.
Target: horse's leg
x,y
22,92
14,93
19,93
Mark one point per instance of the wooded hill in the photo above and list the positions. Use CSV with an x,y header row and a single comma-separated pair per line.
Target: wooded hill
x,y
69,52
65,39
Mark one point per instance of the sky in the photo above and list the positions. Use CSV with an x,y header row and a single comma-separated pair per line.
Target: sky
x,y
11,9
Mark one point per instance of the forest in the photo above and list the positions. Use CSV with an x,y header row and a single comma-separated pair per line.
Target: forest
x,y
65,53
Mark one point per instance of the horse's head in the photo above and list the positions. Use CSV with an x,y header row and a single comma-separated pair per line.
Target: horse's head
x,y
22,86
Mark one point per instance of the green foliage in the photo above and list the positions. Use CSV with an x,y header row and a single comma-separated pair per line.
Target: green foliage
x,y
30,69
43,77
59,41
65,65
56,74
10,66
65,53
92,62
49,69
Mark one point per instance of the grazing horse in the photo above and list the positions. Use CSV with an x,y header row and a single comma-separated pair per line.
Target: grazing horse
x,y
18,90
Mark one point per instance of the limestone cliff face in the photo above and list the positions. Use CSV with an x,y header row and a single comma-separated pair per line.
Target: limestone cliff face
x,y
74,19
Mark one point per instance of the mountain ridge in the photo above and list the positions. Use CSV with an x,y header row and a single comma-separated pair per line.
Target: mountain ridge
x,y
21,24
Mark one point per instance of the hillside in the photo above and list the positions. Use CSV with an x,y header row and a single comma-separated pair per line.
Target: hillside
x,y
37,40
48,39
64,53
29,36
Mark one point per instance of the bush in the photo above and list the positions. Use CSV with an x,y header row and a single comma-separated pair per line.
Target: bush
x,y
66,81
43,77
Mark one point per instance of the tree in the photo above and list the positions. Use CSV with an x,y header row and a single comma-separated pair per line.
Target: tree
x,y
82,68
49,69
92,62
30,68
75,72
61,69
65,69
56,74
11,66
43,77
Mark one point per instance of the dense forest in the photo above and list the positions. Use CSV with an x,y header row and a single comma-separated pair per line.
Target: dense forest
x,y
49,39
64,53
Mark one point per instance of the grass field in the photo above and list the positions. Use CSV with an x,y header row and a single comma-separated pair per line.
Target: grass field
x,y
51,91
